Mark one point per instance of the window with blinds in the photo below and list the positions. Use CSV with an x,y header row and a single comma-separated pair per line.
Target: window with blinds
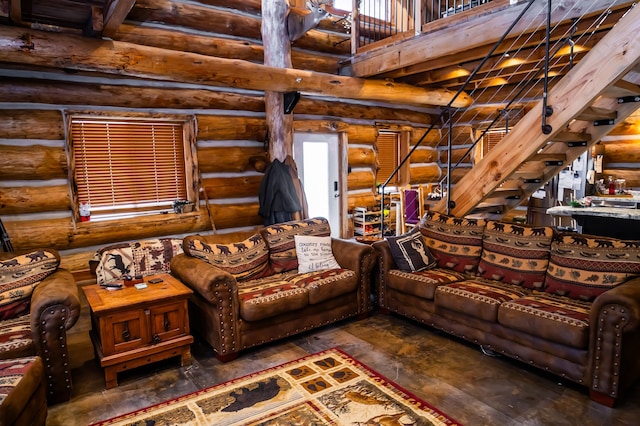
x,y
491,139
126,167
388,157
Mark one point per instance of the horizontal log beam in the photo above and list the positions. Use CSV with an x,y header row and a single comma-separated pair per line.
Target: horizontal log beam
x,y
227,159
61,234
113,57
73,93
31,124
34,199
34,162
221,127
221,47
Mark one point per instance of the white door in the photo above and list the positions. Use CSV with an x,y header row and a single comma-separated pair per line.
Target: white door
x,y
318,159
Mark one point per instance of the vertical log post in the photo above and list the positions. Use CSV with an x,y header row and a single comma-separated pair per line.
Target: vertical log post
x,y
277,53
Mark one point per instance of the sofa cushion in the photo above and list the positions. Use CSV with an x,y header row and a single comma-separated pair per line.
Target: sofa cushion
x,y
19,275
585,266
410,253
19,379
477,297
326,284
245,260
146,257
515,254
281,243
16,339
314,253
559,319
423,283
271,296
290,291
455,242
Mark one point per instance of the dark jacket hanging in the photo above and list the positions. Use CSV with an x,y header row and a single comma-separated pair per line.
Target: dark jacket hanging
x,y
278,197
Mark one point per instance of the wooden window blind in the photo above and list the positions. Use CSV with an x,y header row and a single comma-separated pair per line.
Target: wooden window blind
x,y
491,139
388,157
127,165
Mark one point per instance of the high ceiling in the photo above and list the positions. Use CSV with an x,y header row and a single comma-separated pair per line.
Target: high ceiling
x,y
228,28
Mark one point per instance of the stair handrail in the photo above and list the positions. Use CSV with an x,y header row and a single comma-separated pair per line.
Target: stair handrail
x,y
446,111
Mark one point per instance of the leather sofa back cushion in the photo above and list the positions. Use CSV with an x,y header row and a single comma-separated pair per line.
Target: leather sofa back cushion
x,y
18,277
584,266
245,260
515,254
281,242
144,257
455,242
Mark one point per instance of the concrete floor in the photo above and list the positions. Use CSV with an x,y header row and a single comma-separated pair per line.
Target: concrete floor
x,y
450,374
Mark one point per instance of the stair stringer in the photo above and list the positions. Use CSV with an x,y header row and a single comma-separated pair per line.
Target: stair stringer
x,y
610,61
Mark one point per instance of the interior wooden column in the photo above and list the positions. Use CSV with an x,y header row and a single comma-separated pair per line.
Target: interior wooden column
x,y
277,53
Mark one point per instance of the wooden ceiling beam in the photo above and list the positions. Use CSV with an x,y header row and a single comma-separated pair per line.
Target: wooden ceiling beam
x,y
118,58
114,14
463,42
230,48
228,21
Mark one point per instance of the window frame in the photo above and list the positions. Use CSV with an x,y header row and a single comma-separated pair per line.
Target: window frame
x,y
191,181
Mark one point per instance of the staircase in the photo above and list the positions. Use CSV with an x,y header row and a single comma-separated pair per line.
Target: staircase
x,y
602,90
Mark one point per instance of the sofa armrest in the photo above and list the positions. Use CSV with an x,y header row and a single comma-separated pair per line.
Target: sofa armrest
x,y
55,308
385,264
209,282
215,298
360,258
615,340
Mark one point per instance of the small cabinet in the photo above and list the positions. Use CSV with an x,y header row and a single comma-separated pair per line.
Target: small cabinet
x,y
132,327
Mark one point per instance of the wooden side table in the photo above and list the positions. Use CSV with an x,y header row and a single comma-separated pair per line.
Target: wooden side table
x,y
132,327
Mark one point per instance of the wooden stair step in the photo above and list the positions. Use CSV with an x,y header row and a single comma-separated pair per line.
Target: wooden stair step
x,y
571,137
622,88
594,113
549,157
489,208
507,193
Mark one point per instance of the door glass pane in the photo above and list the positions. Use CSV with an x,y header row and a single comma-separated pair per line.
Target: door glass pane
x,y
316,182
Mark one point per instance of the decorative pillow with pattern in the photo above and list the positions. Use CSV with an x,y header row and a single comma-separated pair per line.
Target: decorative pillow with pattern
x,y
19,275
145,257
455,242
585,266
410,253
245,260
281,243
515,254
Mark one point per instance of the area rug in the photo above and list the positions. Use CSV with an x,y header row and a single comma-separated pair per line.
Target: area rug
x,y
327,388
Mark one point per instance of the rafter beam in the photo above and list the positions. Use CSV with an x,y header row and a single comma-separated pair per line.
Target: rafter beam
x,y
115,12
118,58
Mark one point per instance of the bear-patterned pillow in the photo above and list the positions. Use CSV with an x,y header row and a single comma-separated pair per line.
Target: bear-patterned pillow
x,y
245,260
19,275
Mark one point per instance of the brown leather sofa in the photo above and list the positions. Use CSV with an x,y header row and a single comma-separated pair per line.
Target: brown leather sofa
x,y
566,303
252,292
52,308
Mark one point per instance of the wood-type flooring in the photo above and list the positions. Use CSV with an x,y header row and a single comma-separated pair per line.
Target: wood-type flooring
x,y
450,374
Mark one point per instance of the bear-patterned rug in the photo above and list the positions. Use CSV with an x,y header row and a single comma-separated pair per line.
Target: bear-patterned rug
x,y
327,388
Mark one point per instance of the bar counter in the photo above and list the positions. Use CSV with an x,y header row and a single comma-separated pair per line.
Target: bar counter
x,y
620,218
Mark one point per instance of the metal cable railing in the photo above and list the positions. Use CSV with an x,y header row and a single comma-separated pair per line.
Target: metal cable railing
x,y
531,70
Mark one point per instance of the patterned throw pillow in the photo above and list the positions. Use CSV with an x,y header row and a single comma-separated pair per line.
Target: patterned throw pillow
x,y
410,253
455,242
515,254
145,257
280,240
19,276
245,260
585,266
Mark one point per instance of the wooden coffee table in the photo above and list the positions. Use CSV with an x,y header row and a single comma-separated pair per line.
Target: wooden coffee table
x,y
132,327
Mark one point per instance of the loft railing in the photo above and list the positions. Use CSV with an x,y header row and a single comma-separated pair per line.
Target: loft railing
x,y
380,19
517,54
